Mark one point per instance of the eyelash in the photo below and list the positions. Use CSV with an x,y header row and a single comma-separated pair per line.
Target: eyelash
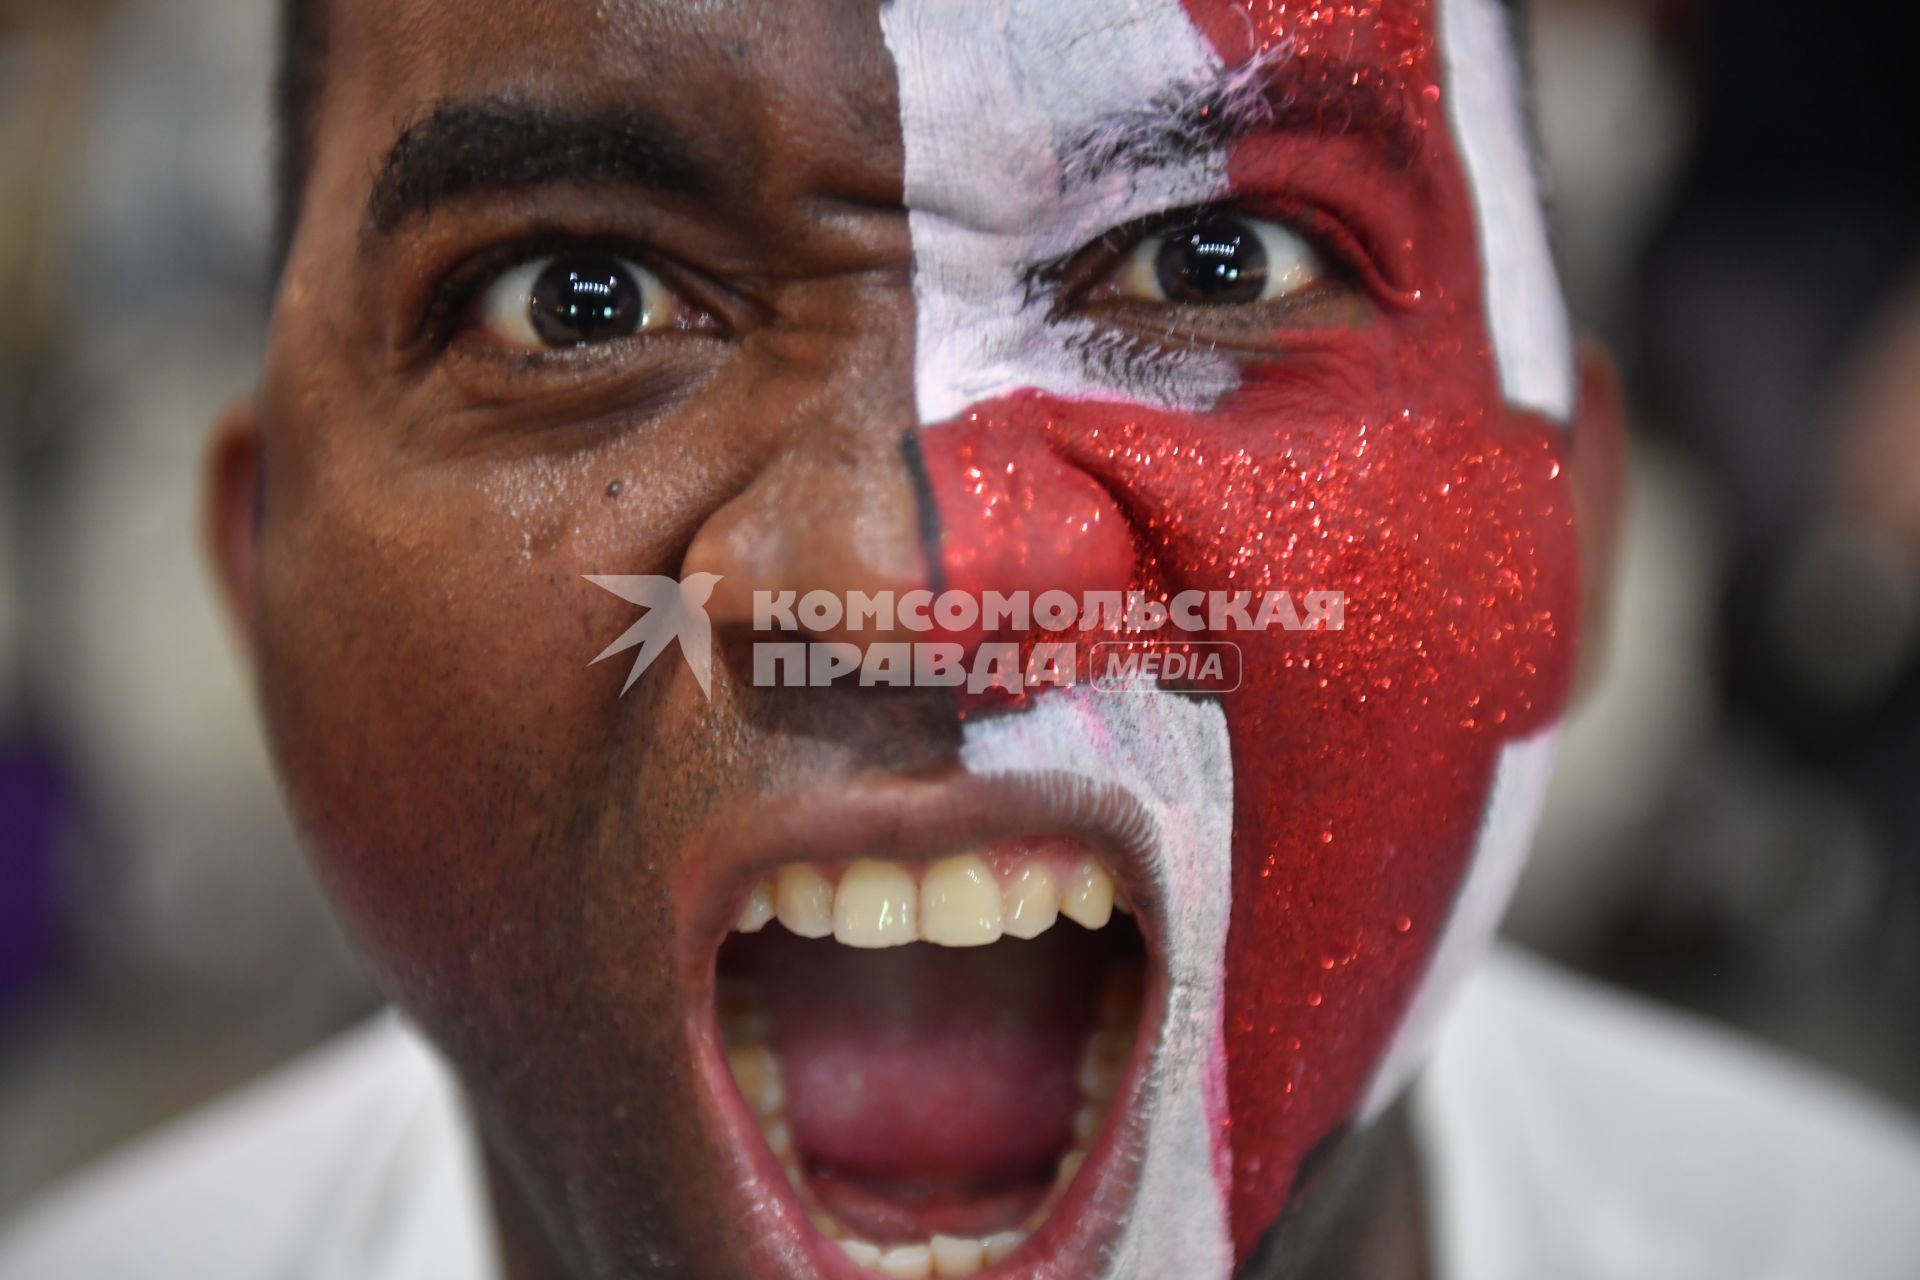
x,y
1346,260
1068,279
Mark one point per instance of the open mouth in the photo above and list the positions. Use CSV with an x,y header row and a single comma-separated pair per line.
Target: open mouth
x,y
939,1055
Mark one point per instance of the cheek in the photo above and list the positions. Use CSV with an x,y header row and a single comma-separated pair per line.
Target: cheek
x,y
408,758
1362,758
441,735
1365,756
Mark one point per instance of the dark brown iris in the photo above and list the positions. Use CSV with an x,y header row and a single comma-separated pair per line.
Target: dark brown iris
x,y
581,298
1219,260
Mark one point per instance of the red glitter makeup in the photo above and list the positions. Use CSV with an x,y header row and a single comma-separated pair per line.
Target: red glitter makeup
x,y
1381,462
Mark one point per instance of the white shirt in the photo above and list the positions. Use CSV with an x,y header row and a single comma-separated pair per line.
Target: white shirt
x,y
1575,1133
1567,1133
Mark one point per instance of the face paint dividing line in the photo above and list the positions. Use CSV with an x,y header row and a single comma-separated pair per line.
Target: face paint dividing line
x,y
990,127
926,511
1172,753
1009,166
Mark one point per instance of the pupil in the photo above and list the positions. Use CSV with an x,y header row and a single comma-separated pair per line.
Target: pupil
x,y
584,298
1219,260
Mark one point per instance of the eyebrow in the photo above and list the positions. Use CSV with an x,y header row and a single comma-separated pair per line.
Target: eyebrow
x,y
500,145
1315,95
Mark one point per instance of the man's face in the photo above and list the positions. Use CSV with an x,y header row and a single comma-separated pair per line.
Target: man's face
x,y
1158,297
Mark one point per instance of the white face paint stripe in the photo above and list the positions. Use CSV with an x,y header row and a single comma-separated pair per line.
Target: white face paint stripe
x,y
1527,319
992,130
990,123
1172,754
1500,850
1525,312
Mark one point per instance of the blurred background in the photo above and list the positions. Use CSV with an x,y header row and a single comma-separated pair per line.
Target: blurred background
x,y
1736,825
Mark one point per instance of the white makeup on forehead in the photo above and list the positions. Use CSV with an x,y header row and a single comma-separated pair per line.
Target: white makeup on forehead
x,y
1172,754
996,97
1525,313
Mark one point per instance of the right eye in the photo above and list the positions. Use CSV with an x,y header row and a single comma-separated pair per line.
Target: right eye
x,y
577,299
1223,259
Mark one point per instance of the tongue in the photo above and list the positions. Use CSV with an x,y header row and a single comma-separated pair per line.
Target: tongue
x,y
923,1073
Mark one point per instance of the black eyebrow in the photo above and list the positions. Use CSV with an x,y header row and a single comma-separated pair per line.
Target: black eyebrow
x,y
502,145
1316,95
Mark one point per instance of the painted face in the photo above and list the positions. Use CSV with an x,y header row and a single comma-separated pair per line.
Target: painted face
x,y
1177,296
1360,802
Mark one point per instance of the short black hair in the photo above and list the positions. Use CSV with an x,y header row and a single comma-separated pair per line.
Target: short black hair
x,y
296,94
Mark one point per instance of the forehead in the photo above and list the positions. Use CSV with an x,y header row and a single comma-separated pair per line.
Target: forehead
x,y
712,44
821,71
768,39
753,81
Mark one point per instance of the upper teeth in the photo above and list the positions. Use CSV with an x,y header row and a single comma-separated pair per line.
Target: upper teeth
x,y
957,902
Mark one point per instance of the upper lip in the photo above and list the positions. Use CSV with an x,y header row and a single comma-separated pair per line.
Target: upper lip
x,y
917,818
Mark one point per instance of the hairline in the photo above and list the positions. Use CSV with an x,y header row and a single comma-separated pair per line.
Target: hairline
x,y
303,47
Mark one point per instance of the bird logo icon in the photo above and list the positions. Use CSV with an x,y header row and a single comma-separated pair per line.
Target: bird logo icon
x,y
676,610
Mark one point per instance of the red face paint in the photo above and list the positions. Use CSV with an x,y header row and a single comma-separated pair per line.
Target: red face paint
x,y
1381,462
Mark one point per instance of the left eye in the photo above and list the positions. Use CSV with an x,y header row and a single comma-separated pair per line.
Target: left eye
x,y
1219,259
576,299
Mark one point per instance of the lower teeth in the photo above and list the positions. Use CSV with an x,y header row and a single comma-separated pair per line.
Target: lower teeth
x,y
756,1072
941,1256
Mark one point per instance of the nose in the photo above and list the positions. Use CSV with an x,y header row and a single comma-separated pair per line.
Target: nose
x,y
977,505
1013,516
833,504
837,515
